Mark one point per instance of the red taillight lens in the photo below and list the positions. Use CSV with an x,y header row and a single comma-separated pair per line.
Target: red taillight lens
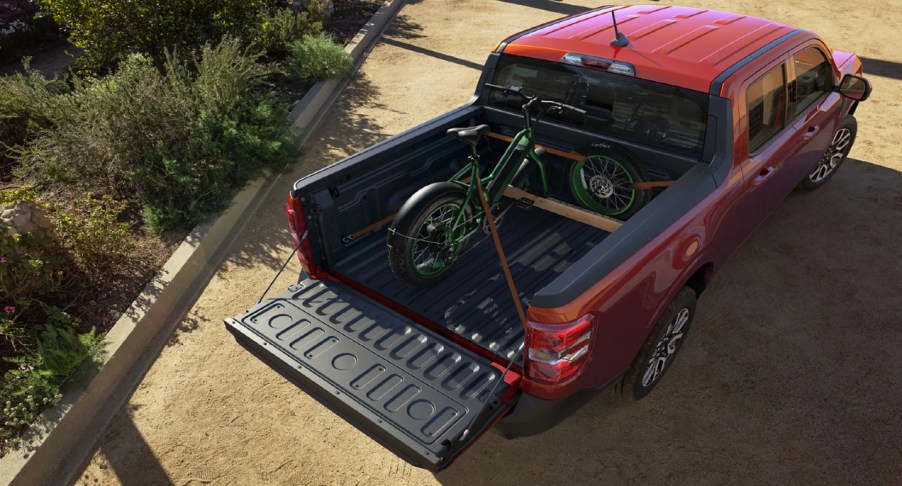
x,y
299,231
556,353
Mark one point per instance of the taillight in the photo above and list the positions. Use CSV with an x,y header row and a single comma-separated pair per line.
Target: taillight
x,y
556,353
299,234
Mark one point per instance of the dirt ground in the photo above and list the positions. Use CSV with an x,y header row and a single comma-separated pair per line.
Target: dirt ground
x,y
792,373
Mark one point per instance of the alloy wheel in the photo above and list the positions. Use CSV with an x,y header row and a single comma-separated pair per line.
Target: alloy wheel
x,y
833,156
667,346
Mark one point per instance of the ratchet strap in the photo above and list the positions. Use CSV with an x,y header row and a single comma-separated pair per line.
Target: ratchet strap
x,y
497,240
560,153
378,224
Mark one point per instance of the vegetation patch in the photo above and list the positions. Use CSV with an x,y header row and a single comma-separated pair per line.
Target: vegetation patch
x,y
174,106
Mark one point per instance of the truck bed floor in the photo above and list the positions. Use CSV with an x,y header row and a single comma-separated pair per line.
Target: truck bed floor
x,y
474,300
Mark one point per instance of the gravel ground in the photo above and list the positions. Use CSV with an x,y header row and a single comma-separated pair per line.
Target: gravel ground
x,y
792,373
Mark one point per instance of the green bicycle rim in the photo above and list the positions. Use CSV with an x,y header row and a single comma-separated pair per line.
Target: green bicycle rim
x,y
433,269
586,198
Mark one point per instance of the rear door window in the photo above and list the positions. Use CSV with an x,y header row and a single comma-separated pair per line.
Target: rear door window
x,y
766,106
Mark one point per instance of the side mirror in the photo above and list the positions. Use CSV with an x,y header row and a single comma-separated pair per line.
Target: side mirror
x,y
855,87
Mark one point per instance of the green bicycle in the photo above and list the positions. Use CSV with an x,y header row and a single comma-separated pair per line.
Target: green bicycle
x,y
432,228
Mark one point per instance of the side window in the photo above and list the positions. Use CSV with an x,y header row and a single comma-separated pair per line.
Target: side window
x,y
814,77
766,105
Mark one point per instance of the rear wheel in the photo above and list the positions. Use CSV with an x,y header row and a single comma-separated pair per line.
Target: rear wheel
x,y
833,157
603,182
661,347
425,245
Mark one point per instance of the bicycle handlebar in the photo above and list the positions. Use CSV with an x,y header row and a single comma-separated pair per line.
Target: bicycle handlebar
x,y
550,105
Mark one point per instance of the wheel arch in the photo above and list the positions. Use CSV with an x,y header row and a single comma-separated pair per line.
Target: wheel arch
x,y
699,279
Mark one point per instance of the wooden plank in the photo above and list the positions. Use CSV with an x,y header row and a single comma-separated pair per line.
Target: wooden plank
x,y
572,212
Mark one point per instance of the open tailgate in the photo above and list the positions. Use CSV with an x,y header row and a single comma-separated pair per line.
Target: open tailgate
x,y
417,393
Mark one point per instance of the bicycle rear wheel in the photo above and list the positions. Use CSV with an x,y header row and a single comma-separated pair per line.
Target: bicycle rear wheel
x,y
423,242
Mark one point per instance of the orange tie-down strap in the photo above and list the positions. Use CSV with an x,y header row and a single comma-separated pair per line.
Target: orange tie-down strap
x,y
579,157
552,206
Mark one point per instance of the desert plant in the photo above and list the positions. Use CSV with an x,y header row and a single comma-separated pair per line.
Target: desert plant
x,y
35,383
27,102
90,230
285,26
318,57
111,30
179,142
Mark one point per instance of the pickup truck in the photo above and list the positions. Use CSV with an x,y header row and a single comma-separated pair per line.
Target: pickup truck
x,y
725,114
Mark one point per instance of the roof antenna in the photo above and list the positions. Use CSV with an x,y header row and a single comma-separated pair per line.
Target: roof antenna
x,y
620,40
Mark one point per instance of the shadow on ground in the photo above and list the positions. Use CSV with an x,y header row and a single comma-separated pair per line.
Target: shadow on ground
x,y
784,376
554,6
140,456
879,67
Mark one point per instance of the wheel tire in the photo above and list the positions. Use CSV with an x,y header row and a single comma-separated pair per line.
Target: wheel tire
x,y
833,157
412,216
634,385
622,162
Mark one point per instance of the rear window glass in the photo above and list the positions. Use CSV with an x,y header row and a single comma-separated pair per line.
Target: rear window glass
x,y
766,104
641,111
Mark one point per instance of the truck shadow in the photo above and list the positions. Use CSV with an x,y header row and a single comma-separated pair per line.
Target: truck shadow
x,y
135,464
880,67
555,6
779,380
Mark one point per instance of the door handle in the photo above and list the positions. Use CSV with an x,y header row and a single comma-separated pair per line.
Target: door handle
x,y
812,131
764,174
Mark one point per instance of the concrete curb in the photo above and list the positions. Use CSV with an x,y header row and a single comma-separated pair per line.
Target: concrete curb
x,y
65,437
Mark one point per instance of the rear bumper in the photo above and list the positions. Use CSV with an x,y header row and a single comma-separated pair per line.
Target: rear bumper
x,y
533,415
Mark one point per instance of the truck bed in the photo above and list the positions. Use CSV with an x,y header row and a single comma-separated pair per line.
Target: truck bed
x,y
474,300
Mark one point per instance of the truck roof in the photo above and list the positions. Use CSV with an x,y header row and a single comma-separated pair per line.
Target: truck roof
x,y
680,46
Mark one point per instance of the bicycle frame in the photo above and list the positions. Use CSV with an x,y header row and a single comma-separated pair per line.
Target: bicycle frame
x,y
521,149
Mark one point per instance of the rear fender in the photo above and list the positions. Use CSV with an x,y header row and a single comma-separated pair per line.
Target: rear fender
x,y
415,202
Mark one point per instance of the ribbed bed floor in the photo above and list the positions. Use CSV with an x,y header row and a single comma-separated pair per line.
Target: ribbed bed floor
x,y
474,300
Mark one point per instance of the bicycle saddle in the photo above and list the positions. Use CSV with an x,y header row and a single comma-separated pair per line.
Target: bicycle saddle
x,y
468,135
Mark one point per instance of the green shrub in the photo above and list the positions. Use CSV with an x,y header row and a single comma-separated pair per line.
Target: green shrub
x,y
27,101
284,26
34,269
180,143
41,274
90,230
35,382
109,31
314,58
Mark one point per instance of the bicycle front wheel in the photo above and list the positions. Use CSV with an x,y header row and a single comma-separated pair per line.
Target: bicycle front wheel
x,y
429,235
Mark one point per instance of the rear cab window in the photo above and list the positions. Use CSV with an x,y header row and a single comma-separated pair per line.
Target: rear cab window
x,y
630,108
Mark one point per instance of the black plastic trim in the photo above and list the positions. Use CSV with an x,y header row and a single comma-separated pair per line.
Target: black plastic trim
x,y
435,126
533,415
717,84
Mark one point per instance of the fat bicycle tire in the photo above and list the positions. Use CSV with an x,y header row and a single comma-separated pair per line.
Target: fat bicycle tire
x,y
602,183
409,237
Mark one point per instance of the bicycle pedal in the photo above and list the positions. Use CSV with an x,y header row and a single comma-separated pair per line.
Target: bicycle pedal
x,y
525,203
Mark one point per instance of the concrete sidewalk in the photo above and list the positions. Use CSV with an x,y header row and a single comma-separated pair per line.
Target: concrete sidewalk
x,y
791,373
